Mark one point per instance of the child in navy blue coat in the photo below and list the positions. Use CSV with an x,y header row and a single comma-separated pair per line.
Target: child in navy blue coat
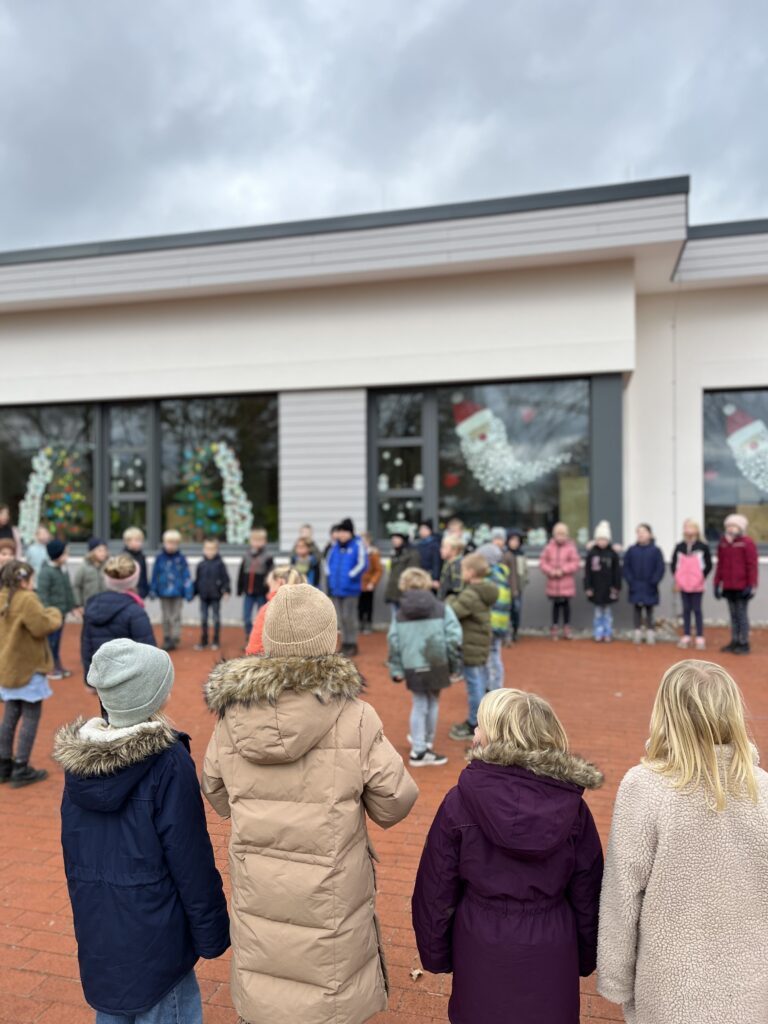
x,y
643,571
172,583
116,612
146,897
212,583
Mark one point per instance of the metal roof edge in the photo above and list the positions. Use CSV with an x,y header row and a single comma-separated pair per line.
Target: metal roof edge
x,y
727,229
357,222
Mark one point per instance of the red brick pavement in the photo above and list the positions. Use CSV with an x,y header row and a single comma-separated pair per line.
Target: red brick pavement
x,y
602,694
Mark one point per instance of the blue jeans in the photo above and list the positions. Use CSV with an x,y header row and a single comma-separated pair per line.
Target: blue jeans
x,y
424,720
54,641
602,623
476,678
495,665
251,605
182,1005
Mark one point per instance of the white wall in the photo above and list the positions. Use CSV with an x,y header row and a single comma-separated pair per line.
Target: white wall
x,y
546,322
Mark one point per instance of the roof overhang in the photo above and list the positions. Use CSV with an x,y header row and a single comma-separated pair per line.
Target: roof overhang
x,y
724,254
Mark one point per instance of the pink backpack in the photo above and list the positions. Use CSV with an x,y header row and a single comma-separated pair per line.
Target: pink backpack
x,y
689,574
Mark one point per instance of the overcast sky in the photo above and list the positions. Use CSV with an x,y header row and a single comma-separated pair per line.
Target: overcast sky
x,y
134,117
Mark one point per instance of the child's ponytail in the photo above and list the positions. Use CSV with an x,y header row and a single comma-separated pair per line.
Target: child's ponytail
x,y
11,577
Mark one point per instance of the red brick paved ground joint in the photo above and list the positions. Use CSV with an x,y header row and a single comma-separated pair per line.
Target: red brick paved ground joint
x,y
602,694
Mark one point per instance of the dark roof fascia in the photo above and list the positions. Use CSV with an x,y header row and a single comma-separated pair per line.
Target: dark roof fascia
x,y
357,222
729,228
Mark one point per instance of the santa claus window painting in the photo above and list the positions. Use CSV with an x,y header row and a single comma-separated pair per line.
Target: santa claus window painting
x,y
736,459
516,454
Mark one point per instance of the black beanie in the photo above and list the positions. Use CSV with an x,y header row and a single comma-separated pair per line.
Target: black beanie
x,y
346,524
55,549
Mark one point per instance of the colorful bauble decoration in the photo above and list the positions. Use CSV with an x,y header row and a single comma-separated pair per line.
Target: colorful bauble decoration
x,y
488,454
748,440
55,494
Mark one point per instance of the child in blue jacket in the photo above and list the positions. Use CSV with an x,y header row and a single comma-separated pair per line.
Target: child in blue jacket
x,y
644,571
347,561
146,897
172,583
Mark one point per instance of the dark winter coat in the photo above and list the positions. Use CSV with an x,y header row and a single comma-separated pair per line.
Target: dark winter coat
x,y
252,577
111,616
141,560
472,606
171,576
146,897
212,579
508,889
736,564
407,557
424,642
602,575
54,588
346,565
429,555
643,571
450,578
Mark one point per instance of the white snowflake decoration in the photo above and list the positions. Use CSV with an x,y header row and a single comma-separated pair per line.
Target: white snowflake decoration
x,y
31,503
238,509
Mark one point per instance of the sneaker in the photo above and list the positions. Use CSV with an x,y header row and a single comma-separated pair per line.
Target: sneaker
x,y
607,639
554,633
6,767
637,637
597,639
169,646
701,643
350,650
426,757
199,647
462,731
24,774
410,740
650,637
684,643
214,647
65,673
567,633
726,649
741,649
55,676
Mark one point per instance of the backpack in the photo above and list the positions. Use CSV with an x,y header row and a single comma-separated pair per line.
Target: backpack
x,y
501,610
689,574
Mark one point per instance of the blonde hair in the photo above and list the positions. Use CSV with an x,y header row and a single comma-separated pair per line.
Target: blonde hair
x,y
522,721
257,531
286,575
133,533
172,536
415,579
699,708
120,567
456,543
694,525
477,565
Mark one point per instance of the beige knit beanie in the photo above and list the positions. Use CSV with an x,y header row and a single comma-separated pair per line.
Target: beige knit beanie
x,y
300,623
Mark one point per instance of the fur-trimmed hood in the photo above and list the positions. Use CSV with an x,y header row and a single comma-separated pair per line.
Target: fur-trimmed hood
x,y
527,803
103,764
277,709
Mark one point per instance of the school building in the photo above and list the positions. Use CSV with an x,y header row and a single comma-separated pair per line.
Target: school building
x,y
575,355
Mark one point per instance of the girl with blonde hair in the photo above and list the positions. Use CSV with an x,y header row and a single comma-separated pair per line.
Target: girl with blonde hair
x,y
691,564
508,886
684,909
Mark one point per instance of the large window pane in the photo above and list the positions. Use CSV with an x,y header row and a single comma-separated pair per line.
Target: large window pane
x,y
400,469
736,460
399,414
46,468
219,466
516,455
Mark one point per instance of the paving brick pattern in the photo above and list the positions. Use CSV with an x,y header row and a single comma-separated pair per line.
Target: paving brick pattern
x,y
603,695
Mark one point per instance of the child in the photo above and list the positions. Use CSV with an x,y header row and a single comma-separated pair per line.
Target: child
x,y
252,578
560,562
133,539
211,585
691,564
172,583
451,551
404,556
424,641
602,581
736,578
472,606
89,578
508,887
643,571
492,552
54,589
428,546
25,658
515,560
371,578
298,761
118,612
8,551
280,577
9,531
346,564
146,897
684,910
36,554
306,561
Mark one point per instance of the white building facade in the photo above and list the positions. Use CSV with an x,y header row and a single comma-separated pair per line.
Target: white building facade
x,y
577,355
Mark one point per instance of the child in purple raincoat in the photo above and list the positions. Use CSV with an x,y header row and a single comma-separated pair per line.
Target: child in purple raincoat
x,y
508,888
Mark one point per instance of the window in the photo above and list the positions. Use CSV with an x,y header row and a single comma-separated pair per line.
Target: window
x,y
130,431
736,460
219,465
399,460
46,468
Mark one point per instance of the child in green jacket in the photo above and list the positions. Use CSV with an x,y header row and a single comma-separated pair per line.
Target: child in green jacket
x,y
54,589
472,606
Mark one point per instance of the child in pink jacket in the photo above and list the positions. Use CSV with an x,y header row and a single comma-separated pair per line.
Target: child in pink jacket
x,y
560,562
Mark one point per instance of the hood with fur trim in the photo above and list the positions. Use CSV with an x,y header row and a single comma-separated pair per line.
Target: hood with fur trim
x,y
527,803
104,765
277,709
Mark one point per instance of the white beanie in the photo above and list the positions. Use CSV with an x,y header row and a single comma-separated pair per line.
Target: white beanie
x,y
737,519
603,531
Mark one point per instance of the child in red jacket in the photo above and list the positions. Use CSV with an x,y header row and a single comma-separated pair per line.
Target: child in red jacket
x,y
736,578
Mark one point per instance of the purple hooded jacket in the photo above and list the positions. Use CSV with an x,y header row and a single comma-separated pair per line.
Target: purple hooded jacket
x,y
508,889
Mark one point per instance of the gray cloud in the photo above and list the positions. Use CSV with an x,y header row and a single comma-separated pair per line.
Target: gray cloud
x,y
147,116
